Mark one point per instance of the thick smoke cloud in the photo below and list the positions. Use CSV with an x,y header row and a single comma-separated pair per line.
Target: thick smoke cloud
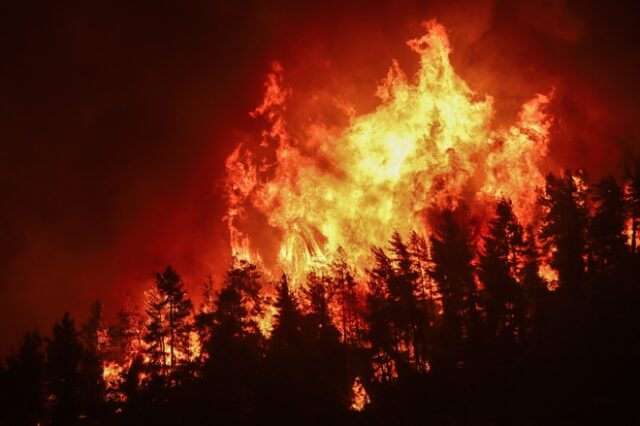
x,y
116,120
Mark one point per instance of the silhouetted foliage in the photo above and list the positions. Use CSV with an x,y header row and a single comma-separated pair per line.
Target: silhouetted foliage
x,y
169,327
317,322
499,270
463,323
203,320
64,357
564,227
24,379
606,231
453,271
235,346
126,335
345,287
92,337
632,198
534,286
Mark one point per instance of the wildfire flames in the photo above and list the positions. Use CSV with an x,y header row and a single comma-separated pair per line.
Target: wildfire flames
x,y
359,397
339,203
334,192
431,142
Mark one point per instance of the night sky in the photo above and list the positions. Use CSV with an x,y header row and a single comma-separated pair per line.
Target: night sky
x,y
116,120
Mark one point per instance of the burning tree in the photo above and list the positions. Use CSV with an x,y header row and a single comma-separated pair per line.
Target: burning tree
x,y
169,327
475,306
632,198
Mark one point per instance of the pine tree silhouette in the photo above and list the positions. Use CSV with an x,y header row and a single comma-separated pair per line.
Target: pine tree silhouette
x,y
381,332
235,348
445,329
535,287
452,255
606,231
345,289
168,327
203,320
499,269
563,230
64,355
24,384
93,385
318,322
632,198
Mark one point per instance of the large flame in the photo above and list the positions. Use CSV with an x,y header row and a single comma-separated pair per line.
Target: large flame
x,y
430,142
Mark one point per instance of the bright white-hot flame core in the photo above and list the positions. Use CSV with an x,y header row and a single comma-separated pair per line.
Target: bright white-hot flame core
x,y
430,143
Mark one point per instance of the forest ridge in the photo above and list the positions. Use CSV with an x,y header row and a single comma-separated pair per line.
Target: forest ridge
x,y
447,329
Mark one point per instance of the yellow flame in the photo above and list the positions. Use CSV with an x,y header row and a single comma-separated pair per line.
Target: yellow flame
x,y
359,396
429,143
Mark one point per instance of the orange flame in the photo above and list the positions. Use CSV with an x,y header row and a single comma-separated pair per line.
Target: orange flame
x,y
429,143
359,396
112,375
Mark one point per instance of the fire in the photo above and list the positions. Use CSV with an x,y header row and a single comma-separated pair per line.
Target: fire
x,y
113,376
430,143
549,274
628,232
359,396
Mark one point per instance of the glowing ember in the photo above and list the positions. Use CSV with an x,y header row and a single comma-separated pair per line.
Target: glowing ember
x,y
430,142
359,396
549,275
112,374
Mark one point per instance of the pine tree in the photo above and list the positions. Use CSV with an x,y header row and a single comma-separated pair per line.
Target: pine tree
x,y
452,256
499,269
563,230
632,198
93,331
422,265
381,333
203,320
326,368
235,348
407,312
304,375
25,384
125,337
287,327
235,336
64,355
345,289
156,332
93,339
606,230
427,296
535,288
168,326
238,306
318,298
130,386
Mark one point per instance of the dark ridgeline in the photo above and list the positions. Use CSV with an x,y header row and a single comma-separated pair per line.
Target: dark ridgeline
x,y
456,329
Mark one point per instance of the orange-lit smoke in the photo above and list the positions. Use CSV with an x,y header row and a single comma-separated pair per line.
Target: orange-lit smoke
x,y
431,142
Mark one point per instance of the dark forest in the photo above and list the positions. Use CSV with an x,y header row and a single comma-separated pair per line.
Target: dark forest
x,y
461,327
